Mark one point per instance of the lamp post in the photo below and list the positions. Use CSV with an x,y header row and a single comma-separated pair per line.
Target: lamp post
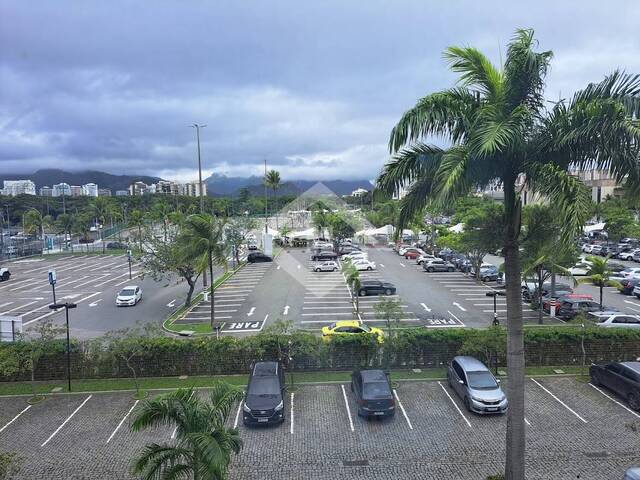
x,y
66,307
494,294
129,260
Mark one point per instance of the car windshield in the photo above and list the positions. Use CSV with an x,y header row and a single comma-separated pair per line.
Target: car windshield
x,y
481,381
264,387
376,390
128,292
365,328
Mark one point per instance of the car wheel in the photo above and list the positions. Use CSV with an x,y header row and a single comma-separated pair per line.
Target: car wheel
x,y
387,291
485,279
369,268
334,269
595,380
362,293
317,269
430,269
634,400
638,296
467,404
5,276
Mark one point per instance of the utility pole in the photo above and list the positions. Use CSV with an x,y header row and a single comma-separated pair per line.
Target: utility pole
x,y
198,127
266,218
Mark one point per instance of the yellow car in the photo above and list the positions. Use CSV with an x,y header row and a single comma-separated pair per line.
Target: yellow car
x,y
351,327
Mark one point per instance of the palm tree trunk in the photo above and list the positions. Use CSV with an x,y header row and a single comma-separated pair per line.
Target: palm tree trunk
x,y
540,283
601,295
275,209
211,296
515,441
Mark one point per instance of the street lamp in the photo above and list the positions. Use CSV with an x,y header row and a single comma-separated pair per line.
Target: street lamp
x,y
66,307
494,294
129,259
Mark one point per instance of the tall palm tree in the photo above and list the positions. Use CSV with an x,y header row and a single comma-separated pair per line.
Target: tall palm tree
x,y
162,212
599,273
100,210
352,277
64,223
272,181
202,240
136,220
204,443
498,128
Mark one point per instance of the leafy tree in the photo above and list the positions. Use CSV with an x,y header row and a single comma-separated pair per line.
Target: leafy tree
x,y
340,226
64,224
236,231
204,443
41,342
500,128
161,212
272,181
35,222
599,273
488,344
136,220
321,220
10,464
100,209
617,223
389,310
483,228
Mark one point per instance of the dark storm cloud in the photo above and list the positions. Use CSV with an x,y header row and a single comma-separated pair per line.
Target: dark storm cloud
x,y
312,86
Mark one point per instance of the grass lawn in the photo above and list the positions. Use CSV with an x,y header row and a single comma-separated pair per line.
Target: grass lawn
x,y
156,383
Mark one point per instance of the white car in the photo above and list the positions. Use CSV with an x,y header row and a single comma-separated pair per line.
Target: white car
x,y
420,259
326,267
626,274
627,255
580,268
129,296
364,265
615,320
353,256
5,274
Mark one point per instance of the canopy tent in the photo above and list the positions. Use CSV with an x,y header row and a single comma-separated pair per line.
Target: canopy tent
x,y
385,230
458,228
594,228
308,234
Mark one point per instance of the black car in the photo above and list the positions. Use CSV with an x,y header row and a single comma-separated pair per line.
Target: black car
x,y
324,256
622,378
117,246
264,399
627,285
373,393
376,287
571,307
257,257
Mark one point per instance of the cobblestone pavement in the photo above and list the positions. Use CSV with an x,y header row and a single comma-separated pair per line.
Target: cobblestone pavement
x,y
574,431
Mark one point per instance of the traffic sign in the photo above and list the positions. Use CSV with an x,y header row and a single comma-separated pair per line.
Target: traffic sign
x,y
52,277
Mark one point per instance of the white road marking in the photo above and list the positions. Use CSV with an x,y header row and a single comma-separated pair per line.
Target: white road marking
x,y
425,307
610,398
632,303
88,297
402,408
122,421
278,267
5,304
460,306
558,400
381,264
455,404
286,310
66,421
250,312
15,418
403,265
171,304
346,404
41,317
235,423
292,416
95,304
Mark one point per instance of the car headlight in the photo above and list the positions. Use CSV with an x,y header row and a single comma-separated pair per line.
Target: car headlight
x,y
245,408
280,406
476,399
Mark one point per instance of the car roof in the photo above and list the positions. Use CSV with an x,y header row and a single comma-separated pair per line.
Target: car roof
x,y
347,323
265,368
635,366
129,286
471,364
373,376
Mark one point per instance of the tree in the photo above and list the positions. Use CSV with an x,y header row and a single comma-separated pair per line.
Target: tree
x,y
598,273
352,277
204,443
272,181
10,465
161,212
41,342
483,226
320,219
64,224
202,241
237,231
100,209
389,310
35,222
136,220
499,128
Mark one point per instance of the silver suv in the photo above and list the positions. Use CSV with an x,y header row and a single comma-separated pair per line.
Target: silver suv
x,y
437,265
476,386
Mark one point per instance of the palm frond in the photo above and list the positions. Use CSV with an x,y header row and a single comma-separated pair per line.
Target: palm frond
x,y
155,459
452,178
476,71
414,162
164,409
416,199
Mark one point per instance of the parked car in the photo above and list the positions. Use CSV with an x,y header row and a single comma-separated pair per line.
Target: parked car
x,y
437,265
476,386
488,272
580,269
252,247
258,257
636,255
628,285
587,248
627,254
326,267
560,296
117,246
264,399
570,307
363,264
86,240
350,327
420,259
346,249
129,296
355,256
530,293
611,319
610,250
324,256
629,272
376,287
373,393
398,246
5,274
412,253
622,378
636,290
632,473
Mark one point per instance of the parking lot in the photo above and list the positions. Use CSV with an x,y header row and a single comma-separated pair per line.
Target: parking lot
x,y
573,431
90,281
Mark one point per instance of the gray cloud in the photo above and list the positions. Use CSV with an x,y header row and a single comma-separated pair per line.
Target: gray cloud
x,y
314,87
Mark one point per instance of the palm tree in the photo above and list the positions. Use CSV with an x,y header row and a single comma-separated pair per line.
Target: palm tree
x,y
352,277
598,274
202,240
100,209
204,443
272,181
162,212
136,220
499,128
64,222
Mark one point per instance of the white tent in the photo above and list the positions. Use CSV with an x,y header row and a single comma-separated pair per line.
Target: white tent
x,y
594,228
458,228
308,234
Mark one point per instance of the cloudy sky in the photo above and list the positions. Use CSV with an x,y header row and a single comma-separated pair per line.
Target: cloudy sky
x,y
313,87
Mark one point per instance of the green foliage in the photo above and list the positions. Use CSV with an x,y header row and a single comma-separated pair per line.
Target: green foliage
x,y
10,464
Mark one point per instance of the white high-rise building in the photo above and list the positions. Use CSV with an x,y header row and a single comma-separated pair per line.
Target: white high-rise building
x,y
60,189
19,187
90,190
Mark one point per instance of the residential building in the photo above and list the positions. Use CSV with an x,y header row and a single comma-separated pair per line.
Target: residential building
x,y
90,190
359,192
76,190
60,189
46,191
19,187
122,193
192,189
141,188
601,183
105,192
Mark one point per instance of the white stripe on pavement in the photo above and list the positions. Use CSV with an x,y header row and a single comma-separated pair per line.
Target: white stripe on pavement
x,y
610,398
402,408
558,400
66,421
455,405
15,418
123,420
346,404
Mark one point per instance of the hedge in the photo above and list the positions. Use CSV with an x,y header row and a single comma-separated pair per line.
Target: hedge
x,y
415,348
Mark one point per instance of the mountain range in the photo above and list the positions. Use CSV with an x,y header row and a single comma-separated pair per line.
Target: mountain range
x,y
217,185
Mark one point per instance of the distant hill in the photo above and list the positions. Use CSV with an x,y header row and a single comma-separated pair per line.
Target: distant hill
x,y
51,176
219,185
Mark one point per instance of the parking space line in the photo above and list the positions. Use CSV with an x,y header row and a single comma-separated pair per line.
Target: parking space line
x,y
346,404
88,297
66,421
14,418
395,393
235,423
5,304
123,420
292,416
610,398
558,400
41,317
455,404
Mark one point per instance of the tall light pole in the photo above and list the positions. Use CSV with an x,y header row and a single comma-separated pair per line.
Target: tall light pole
x,y
198,127
266,218
66,306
